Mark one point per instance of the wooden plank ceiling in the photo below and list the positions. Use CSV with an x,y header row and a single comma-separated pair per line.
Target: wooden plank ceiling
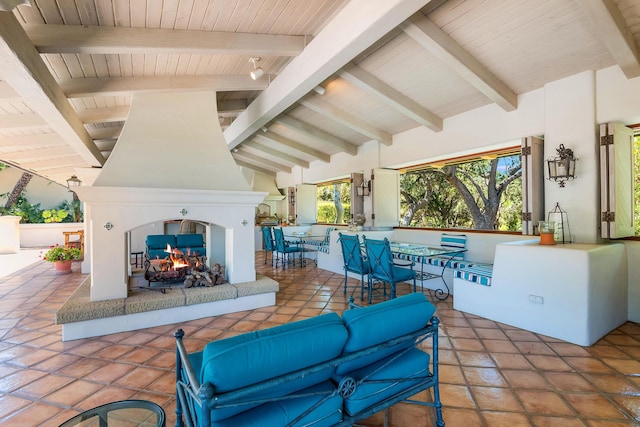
x,y
68,69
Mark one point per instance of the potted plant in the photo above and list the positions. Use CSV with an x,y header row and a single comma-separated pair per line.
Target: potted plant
x,y
62,257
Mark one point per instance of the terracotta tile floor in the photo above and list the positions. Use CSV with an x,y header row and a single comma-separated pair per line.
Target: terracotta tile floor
x,y
492,375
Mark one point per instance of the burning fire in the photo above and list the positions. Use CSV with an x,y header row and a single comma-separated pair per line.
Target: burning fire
x,y
177,258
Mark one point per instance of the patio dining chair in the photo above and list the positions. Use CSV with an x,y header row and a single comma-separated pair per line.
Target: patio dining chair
x,y
354,261
283,248
383,268
267,243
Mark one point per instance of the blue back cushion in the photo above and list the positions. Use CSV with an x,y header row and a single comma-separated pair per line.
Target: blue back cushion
x,y
157,244
260,355
379,323
454,242
189,240
160,241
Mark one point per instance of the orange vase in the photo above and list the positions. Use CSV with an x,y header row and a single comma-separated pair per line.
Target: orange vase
x,y
63,267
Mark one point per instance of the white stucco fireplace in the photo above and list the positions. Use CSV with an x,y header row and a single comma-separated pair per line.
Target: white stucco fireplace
x,y
171,161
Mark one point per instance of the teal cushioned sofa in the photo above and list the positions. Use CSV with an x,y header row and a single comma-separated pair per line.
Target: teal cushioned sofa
x,y
323,371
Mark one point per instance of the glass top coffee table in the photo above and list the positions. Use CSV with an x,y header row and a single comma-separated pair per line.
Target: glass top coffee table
x,y
141,413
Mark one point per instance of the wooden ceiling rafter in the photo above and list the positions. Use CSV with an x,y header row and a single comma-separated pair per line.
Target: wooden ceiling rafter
x,y
437,42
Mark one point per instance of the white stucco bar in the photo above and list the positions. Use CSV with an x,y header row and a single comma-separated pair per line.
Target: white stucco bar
x,y
573,292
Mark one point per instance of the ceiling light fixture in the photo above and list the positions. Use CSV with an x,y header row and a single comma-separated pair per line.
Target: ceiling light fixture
x,y
257,72
319,90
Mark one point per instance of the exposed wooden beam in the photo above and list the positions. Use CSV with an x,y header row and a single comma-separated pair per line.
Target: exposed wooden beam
x,y
43,165
127,40
258,148
317,134
232,107
15,143
614,33
346,119
117,86
261,161
102,115
390,96
106,144
339,41
22,67
106,132
305,149
431,37
256,168
22,121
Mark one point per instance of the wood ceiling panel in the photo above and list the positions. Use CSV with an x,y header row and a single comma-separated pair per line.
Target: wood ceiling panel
x,y
541,35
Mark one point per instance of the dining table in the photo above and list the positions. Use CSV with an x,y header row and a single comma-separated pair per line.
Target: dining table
x,y
420,254
299,238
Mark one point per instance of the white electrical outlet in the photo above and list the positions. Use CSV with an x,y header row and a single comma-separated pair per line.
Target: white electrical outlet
x,y
536,299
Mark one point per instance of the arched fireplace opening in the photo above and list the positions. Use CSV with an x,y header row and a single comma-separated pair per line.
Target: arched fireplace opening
x,y
176,252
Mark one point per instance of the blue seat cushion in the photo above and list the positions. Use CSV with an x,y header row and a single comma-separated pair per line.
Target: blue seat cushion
x,y
283,412
447,261
400,274
247,359
477,273
189,240
392,372
375,324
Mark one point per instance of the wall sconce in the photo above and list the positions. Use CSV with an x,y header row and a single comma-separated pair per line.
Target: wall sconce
x,y
257,72
319,90
562,168
74,181
365,188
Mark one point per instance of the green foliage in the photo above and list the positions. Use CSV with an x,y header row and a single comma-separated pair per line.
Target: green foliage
x,y
30,213
54,215
74,209
327,212
334,202
62,253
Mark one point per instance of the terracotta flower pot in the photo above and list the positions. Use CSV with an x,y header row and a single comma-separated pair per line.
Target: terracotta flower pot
x,y
63,267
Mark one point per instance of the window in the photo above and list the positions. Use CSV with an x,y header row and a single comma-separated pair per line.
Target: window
x,y
334,202
481,192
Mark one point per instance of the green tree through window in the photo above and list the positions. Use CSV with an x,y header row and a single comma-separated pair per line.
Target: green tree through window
x,y
478,194
334,202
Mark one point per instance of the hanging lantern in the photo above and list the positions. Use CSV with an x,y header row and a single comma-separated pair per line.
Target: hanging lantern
x,y
562,232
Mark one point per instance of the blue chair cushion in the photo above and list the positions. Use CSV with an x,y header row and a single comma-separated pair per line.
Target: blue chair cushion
x,y
257,356
477,273
283,412
396,368
455,242
375,324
